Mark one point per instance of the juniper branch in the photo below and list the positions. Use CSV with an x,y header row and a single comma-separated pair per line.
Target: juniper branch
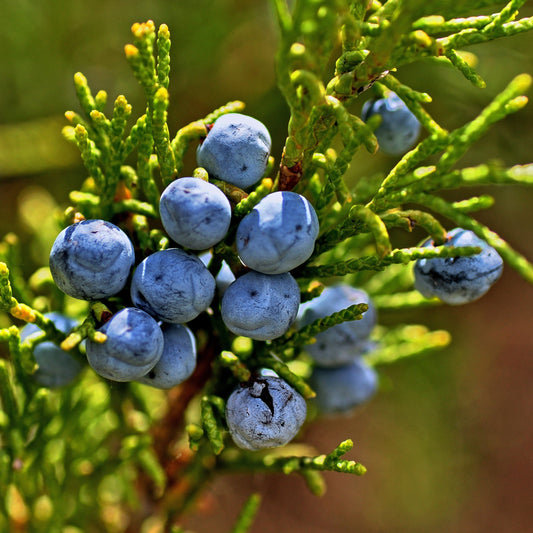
x,y
287,464
372,262
514,258
307,333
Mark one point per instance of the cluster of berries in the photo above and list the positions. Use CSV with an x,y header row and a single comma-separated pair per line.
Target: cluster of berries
x,y
276,236
150,342
454,280
92,260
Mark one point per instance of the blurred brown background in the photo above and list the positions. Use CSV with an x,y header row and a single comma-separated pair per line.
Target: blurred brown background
x,y
448,440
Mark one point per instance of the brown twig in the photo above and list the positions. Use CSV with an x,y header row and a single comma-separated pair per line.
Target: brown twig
x,y
164,433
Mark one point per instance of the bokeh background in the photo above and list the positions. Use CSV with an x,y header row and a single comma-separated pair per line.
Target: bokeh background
x,y
448,441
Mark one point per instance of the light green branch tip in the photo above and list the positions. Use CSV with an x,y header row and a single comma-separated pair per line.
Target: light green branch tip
x,y
247,515
239,370
6,295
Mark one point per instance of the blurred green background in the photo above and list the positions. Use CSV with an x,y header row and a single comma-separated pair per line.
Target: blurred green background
x,y
448,440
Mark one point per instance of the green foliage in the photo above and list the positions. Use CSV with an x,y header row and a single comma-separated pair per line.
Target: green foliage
x,y
101,456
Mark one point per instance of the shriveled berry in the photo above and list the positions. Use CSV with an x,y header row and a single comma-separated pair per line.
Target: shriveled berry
x,y
265,413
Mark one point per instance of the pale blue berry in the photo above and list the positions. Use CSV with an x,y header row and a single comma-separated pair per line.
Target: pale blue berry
x,y
279,233
261,306
342,343
133,346
236,150
399,128
56,367
172,285
341,389
178,360
264,413
91,259
459,280
195,213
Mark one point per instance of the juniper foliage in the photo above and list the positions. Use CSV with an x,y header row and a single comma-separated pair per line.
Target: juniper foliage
x,y
68,455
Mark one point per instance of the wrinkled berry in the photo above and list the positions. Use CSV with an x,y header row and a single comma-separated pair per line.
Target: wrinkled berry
x,y
265,413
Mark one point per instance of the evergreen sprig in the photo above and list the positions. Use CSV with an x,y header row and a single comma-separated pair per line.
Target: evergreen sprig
x,y
287,464
307,333
373,262
76,448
